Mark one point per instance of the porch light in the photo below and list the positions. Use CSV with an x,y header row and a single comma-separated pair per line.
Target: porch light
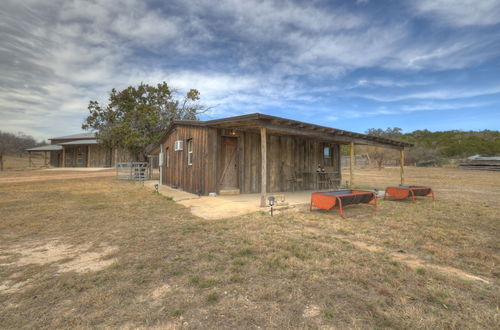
x,y
271,200
233,133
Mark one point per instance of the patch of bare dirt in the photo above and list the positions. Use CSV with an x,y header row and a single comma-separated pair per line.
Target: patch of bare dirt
x,y
408,259
156,295
77,258
311,311
56,176
10,286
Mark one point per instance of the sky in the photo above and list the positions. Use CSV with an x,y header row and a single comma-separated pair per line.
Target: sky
x,y
354,65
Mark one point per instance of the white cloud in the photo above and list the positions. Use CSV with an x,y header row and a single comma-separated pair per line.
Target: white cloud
x,y
57,55
437,94
461,12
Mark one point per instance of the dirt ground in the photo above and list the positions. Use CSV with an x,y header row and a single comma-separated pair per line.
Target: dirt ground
x,y
51,174
96,252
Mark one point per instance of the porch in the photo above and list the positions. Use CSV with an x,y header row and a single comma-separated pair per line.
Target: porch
x,y
226,206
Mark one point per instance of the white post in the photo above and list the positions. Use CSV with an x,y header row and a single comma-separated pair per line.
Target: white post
x,y
160,163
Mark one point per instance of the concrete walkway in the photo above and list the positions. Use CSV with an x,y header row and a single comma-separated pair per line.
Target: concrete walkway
x,y
228,206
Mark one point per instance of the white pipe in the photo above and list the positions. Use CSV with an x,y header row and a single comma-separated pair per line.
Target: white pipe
x,y
160,161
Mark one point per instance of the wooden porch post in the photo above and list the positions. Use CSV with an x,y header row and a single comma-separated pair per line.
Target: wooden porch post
x,y
63,162
29,159
351,165
263,151
402,165
88,156
45,158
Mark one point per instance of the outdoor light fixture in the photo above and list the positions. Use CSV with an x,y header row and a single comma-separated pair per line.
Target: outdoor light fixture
x,y
233,133
271,200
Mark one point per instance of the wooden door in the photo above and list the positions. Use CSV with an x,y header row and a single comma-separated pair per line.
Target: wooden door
x,y
228,178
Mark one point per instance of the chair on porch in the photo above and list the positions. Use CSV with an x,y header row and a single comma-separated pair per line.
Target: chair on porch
x,y
294,178
326,181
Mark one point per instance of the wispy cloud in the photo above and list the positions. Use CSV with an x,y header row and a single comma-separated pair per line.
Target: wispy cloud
x,y
274,56
462,12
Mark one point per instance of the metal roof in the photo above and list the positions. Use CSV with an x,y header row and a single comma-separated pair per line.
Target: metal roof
x,y
479,157
50,147
79,136
292,127
80,142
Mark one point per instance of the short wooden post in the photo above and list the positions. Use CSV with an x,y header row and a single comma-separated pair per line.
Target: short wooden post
x,y
402,165
29,159
263,151
88,157
351,165
63,162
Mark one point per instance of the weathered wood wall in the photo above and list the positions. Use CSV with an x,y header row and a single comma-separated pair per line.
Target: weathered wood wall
x,y
287,156
55,158
200,177
99,156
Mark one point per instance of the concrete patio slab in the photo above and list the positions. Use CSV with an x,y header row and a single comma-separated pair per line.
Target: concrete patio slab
x,y
228,205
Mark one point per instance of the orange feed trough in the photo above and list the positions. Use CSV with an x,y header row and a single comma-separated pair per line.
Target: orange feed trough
x,y
405,192
328,200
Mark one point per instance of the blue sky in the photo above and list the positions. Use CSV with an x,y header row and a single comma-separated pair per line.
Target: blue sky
x,y
423,64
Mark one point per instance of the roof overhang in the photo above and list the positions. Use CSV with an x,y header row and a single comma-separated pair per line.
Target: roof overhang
x,y
50,147
79,142
282,126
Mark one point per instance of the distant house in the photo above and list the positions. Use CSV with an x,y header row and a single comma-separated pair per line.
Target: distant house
x,y
81,150
478,162
254,153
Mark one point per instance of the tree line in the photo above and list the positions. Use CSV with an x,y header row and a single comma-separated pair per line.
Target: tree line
x,y
436,148
15,144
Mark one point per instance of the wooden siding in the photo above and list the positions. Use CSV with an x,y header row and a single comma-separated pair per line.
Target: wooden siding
x,y
286,156
77,156
200,177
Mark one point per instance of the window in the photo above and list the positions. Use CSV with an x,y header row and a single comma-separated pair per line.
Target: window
x,y
190,151
327,156
167,157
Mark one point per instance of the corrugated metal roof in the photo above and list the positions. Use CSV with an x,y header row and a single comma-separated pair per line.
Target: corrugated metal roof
x,y
50,147
292,127
479,157
79,136
94,141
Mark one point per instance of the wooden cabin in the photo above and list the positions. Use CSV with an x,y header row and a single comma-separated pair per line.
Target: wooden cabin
x,y
255,153
81,150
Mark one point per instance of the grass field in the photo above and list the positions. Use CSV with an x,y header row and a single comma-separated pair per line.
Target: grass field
x,y
101,253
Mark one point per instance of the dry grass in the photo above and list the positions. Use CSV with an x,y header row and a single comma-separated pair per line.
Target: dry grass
x,y
170,269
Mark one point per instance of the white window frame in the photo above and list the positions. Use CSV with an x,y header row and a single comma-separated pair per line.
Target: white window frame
x,y
328,159
190,147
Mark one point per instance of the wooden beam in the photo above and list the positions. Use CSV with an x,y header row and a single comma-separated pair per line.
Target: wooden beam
x,y
63,162
327,136
29,159
45,158
402,165
88,156
263,152
351,165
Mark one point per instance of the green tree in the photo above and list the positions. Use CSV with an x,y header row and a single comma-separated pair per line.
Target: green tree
x,y
138,115
379,154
